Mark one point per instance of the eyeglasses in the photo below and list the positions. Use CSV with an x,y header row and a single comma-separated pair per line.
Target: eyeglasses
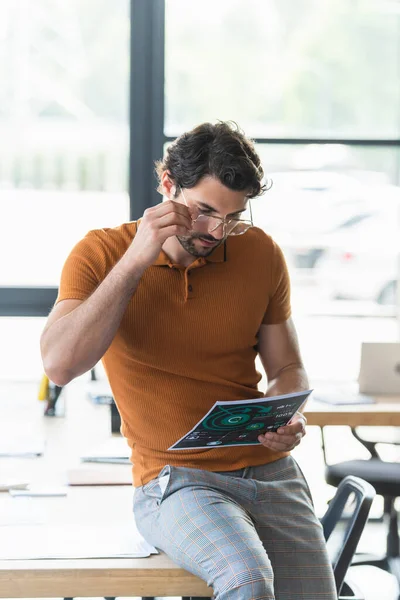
x,y
208,224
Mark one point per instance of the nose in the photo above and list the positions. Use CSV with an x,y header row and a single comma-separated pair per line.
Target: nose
x,y
219,231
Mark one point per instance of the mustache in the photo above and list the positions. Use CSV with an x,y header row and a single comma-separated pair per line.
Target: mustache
x,y
208,238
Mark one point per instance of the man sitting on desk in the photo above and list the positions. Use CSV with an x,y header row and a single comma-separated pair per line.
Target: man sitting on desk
x,y
177,305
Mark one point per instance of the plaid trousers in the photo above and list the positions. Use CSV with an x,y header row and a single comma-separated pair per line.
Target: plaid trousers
x,y
251,534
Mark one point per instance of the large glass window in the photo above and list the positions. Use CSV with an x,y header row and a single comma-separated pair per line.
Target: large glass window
x,y
64,68
284,68
308,69
335,212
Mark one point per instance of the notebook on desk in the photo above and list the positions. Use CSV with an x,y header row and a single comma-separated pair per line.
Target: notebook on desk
x,y
73,541
112,450
99,475
380,368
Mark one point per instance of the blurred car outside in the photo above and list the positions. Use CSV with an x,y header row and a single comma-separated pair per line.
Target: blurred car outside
x,y
308,201
362,261
339,233
358,259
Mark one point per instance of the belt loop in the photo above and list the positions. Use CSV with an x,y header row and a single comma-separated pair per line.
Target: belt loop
x,y
246,473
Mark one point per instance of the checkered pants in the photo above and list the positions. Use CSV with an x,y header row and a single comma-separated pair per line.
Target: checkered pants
x,y
250,534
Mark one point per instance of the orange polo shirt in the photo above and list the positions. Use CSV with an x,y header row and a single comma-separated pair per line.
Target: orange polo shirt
x,y
187,339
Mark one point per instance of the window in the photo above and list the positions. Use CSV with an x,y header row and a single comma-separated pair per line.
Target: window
x,y
63,130
317,85
284,68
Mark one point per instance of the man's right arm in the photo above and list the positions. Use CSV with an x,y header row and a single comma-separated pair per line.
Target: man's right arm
x,y
78,333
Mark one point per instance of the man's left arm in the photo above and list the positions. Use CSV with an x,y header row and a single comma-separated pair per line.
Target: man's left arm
x,y
279,352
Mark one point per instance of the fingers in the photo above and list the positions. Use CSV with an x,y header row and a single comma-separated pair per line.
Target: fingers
x,y
299,416
279,442
174,218
169,206
287,437
157,225
167,214
298,426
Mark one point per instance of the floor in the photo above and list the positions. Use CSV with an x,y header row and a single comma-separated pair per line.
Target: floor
x,y
22,414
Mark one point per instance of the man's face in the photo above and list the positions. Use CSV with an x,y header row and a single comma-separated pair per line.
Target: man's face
x,y
211,199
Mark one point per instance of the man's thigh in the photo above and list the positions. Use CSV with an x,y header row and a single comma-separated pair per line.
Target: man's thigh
x,y
248,534
205,531
290,531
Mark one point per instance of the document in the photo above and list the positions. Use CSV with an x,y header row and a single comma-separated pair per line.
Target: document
x,y
115,449
97,474
12,484
20,446
120,540
240,422
40,491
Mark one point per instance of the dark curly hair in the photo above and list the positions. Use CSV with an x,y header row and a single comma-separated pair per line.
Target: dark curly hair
x,y
221,151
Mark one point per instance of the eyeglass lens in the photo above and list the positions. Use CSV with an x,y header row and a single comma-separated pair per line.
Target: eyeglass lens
x,y
210,224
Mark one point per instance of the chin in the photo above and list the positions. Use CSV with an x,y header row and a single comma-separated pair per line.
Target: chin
x,y
196,250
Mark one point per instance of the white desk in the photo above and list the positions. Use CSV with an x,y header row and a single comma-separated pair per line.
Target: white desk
x,y
385,412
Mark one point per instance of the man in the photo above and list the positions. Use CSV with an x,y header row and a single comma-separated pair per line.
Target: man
x,y
177,305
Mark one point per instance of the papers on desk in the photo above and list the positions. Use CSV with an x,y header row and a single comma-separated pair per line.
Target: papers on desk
x,y
20,446
39,491
340,395
100,475
73,541
114,450
12,484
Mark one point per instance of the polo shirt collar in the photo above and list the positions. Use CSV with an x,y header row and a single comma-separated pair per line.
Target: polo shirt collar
x,y
163,259
218,255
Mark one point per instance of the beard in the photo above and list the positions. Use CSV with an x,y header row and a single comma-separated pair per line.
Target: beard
x,y
188,244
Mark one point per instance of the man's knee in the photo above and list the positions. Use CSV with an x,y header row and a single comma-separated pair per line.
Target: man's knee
x,y
245,584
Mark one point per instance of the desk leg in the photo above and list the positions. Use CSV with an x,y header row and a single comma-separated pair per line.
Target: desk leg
x,y
323,444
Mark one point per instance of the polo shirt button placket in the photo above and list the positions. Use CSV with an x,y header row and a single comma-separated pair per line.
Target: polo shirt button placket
x,y
189,292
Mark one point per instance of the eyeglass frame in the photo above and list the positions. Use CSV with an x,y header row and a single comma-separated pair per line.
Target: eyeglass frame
x,y
223,220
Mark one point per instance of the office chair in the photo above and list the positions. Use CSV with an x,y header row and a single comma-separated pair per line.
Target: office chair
x,y
351,502
385,478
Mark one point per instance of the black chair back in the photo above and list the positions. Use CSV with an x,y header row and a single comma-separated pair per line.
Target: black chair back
x,y
344,522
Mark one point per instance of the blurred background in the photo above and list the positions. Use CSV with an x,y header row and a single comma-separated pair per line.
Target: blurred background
x,y
91,94
316,84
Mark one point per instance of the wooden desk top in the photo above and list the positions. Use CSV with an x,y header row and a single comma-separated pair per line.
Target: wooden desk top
x,y
153,576
156,575
385,412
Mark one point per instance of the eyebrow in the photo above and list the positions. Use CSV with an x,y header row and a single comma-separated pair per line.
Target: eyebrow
x,y
205,206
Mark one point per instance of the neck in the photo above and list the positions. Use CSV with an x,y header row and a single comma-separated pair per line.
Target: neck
x,y
177,253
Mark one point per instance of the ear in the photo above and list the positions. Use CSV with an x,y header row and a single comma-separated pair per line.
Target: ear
x,y
167,185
